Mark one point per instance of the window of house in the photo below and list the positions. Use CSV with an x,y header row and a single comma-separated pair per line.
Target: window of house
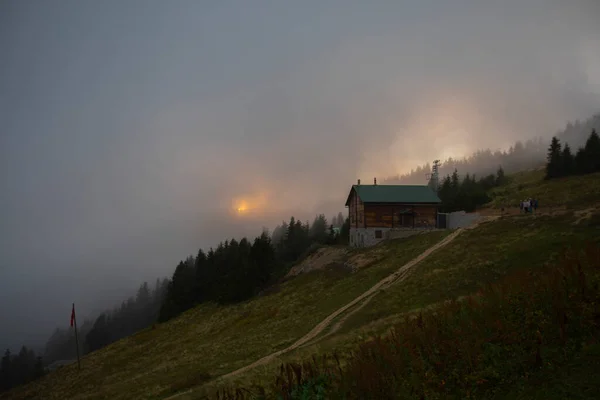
x,y
378,234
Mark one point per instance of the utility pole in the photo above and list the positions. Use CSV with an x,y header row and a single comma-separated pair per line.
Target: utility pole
x,y
433,177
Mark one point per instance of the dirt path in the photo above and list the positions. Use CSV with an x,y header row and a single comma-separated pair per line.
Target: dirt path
x,y
401,273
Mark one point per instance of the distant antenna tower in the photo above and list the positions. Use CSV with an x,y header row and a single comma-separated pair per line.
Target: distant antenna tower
x,y
433,178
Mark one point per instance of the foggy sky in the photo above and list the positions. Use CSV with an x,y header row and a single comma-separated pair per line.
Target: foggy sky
x,y
129,129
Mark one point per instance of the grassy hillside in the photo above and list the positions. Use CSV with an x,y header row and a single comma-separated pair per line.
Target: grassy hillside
x,y
207,342
473,260
476,258
568,192
532,335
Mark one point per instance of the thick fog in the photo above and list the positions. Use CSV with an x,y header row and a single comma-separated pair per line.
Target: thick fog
x,y
131,131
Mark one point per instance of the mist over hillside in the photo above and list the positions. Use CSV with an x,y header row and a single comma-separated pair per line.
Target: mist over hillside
x,y
522,155
131,133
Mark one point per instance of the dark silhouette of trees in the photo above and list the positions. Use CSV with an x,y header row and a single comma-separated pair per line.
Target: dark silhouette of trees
x,y
6,374
562,163
520,156
554,166
500,178
19,369
567,160
238,270
234,271
338,220
100,335
133,315
319,230
592,154
468,194
344,236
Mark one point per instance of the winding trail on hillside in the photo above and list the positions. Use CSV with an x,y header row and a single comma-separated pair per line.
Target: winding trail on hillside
x,y
399,274
403,273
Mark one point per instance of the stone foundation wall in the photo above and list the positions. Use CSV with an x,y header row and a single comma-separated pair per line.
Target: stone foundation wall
x,y
461,219
365,237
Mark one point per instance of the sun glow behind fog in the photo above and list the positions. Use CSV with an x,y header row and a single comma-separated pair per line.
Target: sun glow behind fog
x,y
250,204
443,127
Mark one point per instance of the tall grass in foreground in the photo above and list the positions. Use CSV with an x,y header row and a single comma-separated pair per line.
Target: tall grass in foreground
x,y
509,335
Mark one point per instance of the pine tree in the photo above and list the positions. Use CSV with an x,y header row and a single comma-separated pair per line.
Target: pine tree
x,y
568,161
340,220
22,367
279,234
331,235
455,181
6,373
100,334
554,164
202,286
345,231
143,296
263,261
38,370
500,177
580,161
592,153
446,194
318,230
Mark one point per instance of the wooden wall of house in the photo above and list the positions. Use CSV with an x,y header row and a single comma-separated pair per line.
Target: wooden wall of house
x,y
389,215
356,211
426,216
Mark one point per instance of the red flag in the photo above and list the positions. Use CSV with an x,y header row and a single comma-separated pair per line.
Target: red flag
x,y
73,315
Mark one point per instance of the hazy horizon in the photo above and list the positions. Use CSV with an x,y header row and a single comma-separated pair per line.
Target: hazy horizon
x,y
130,131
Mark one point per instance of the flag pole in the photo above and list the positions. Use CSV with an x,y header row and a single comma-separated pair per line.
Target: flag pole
x,y
76,338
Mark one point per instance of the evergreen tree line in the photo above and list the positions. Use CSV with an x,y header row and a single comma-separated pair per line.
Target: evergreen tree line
x,y
292,239
136,313
141,311
19,369
520,156
61,345
468,194
562,162
238,270
133,315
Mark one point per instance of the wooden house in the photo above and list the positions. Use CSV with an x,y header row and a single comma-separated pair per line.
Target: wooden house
x,y
378,211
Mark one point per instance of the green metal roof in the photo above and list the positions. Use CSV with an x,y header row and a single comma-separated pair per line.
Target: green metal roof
x,y
395,194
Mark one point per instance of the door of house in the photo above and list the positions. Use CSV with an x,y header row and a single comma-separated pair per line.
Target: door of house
x,y
442,221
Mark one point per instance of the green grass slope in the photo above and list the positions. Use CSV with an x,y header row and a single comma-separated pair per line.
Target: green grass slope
x,y
568,220
569,192
534,334
478,257
475,259
209,341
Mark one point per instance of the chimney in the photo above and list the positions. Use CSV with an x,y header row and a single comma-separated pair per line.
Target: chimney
x,y
359,182
375,181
